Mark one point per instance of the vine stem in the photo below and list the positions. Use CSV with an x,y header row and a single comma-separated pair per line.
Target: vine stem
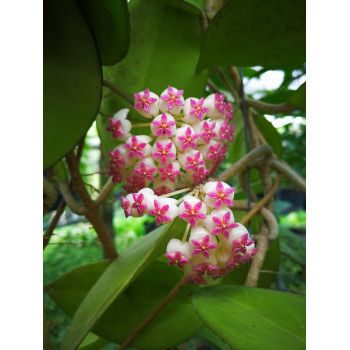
x,y
141,125
261,151
263,202
118,91
184,238
153,315
175,192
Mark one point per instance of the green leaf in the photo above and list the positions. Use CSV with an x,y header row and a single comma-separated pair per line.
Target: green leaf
x,y
213,339
93,342
256,32
193,6
110,23
176,323
164,50
237,148
72,78
272,137
120,273
298,98
253,318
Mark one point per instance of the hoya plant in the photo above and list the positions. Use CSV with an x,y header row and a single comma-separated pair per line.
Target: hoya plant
x,y
186,152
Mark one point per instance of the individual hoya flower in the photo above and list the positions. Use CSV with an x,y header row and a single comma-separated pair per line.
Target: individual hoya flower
x,y
202,241
146,168
146,103
134,183
185,138
119,125
170,171
192,210
171,100
194,110
226,131
165,210
178,252
203,266
214,104
240,245
164,151
200,175
215,152
220,222
119,157
208,132
229,111
118,173
138,146
139,204
126,205
163,124
196,279
194,161
204,149
218,194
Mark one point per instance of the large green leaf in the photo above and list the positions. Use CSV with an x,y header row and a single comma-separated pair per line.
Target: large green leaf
x,y
72,78
272,137
256,32
213,339
193,6
93,342
253,318
292,245
237,148
176,323
298,98
110,23
164,50
120,273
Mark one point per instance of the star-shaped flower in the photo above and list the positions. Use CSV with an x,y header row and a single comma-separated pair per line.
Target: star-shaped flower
x,y
160,212
126,206
197,108
135,148
188,139
143,101
139,203
168,173
222,195
164,152
223,225
240,245
115,126
134,184
177,258
208,132
163,126
145,171
214,152
192,213
173,98
194,161
200,175
203,246
206,268
196,279
219,102
116,158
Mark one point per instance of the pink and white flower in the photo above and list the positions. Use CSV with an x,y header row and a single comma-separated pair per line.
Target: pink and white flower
x,y
192,210
171,100
185,138
194,110
220,222
215,105
138,146
146,103
164,151
165,210
170,171
163,124
218,194
146,168
178,252
119,125
202,241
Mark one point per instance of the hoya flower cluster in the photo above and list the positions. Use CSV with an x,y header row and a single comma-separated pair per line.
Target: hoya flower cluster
x,y
187,141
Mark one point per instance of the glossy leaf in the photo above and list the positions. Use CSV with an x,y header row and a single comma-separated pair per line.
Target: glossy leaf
x,y
253,318
193,6
272,137
116,278
255,32
213,339
237,148
164,50
298,98
93,342
72,78
176,323
110,23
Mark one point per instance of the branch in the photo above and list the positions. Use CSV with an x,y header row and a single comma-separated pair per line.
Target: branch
x,y
159,308
105,191
118,91
265,213
227,83
91,209
270,108
69,199
292,176
258,260
263,202
53,223
261,151
50,194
